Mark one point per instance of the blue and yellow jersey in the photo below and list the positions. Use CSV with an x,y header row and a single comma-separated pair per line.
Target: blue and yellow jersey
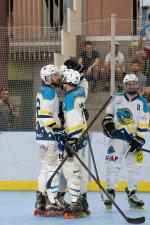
x,y
47,109
132,115
73,104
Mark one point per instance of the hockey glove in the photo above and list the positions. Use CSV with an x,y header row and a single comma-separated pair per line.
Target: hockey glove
x,y
108,125
71,143
136,144
60,137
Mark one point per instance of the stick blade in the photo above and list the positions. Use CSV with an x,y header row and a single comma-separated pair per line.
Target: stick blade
x,y
138,220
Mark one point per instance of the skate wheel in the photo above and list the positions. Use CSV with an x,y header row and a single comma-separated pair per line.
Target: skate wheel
x,y
48,213
69,216
76,215
108,209
82,214
37,212
137,209
52,213
87,212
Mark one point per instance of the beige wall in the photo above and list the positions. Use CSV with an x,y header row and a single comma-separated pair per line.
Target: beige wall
x,y
101,10
27,13
30,13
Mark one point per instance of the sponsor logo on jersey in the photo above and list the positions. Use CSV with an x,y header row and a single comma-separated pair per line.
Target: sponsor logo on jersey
x,y
124,116
138,107
111,158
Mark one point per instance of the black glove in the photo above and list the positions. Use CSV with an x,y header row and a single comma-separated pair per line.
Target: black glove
x,y
60,137
71,144
108,125
136,144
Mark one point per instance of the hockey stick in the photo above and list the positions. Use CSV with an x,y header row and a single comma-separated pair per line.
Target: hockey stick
x,y
94,163
138,220
145,150
142,149
85,131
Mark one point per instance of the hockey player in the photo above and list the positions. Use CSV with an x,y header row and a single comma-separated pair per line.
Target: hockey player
x,y
47,109
71,64
75,124
126,119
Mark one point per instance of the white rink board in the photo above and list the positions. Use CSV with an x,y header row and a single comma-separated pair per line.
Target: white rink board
x,y
19,156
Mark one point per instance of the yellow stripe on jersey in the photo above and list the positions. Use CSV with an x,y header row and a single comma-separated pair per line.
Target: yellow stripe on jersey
x,y
50,123
128,121
140,134
75,128
131,129
79,99
45,112
143,125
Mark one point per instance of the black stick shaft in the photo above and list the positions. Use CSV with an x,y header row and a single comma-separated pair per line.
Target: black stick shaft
x,y
145,150
49,182
94,163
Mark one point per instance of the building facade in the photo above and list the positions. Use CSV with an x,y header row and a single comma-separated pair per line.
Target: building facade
x,y
34,33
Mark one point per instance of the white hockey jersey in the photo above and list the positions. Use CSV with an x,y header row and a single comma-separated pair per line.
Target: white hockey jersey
x,y
84,83
73,104
131,116
47,109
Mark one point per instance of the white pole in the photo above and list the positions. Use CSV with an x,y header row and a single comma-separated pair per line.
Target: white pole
x,y
113,26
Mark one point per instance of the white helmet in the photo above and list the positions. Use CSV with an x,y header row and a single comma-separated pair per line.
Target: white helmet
x,y
48,71
129,78
62,69
71,76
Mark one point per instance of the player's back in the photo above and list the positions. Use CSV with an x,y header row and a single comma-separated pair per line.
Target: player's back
x,y
75,121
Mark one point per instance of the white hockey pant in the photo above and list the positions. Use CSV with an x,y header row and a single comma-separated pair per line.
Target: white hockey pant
x,y
75,175
49,163
115,156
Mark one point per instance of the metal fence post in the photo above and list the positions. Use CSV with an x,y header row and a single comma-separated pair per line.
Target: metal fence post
x,y
113,28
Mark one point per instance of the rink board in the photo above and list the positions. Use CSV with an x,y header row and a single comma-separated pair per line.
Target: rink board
x,y
19,162
92,186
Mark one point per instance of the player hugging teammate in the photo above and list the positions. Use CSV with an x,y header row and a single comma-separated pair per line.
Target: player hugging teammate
x,y
52,138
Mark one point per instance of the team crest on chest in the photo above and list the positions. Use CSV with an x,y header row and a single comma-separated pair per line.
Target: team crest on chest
x,y
124,116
